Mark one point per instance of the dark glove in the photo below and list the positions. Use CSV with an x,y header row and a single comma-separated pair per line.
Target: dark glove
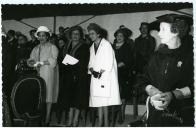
x,y
96,74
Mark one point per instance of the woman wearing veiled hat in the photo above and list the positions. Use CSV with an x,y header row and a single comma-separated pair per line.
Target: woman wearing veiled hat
x,y
124,57
169,78
44,58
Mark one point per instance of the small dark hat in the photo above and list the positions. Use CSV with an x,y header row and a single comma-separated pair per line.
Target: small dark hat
x,y
125,31
76,28
170,18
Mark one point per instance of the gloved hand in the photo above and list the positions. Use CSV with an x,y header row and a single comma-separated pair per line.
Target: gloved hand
x,y
166,98
96,74
38,64
156,102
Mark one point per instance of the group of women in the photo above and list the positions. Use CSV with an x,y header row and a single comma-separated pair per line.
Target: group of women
x,y
105,68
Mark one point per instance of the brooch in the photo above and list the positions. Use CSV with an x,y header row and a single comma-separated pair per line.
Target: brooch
x,y
179,64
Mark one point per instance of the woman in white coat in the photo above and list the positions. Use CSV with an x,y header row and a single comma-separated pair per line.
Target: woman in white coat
x,y
104,87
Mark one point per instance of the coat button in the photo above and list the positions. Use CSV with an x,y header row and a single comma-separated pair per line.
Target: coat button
x,y
102,86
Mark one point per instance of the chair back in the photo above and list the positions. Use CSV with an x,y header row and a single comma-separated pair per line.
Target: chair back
x,y
28,97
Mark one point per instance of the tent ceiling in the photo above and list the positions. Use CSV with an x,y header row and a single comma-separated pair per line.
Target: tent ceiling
x,y
19,12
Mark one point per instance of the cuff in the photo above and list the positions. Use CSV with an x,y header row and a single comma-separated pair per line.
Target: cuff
x,y
185,91
148,87
52,62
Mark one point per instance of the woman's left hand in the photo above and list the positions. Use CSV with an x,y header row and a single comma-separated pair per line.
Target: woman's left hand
x,y
40,64
166,98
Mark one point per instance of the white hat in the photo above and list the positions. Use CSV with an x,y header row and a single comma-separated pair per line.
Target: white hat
x,y
3,34
42,29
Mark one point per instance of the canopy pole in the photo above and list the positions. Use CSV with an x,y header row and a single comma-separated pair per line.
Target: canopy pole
x,y
54,25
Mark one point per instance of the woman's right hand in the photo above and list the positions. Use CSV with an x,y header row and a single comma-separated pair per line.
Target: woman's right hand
x,y
151,90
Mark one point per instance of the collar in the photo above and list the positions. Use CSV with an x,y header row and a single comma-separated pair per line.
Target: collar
x,y
163,49
146,37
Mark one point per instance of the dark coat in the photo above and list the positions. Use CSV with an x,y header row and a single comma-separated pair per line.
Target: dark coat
x,y
76,78
124,54
167,70
22,52
7,69
143,50
31,44
8,64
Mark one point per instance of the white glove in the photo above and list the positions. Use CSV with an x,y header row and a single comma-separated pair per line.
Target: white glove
x,y
154,100
37,63
41,63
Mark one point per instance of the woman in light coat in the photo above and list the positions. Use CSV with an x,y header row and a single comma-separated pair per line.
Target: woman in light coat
x,y
104,88
44,58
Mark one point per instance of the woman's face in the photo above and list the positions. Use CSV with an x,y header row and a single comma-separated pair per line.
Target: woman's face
x,y
21,40
75,36
61,43
53,40
165,33
93,35
120,38
42,37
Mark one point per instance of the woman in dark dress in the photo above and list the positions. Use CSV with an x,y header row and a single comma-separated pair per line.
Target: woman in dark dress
x,y
76,80
169,78
124,57
22,54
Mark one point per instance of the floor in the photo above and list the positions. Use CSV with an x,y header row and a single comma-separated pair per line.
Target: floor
x,y
128,119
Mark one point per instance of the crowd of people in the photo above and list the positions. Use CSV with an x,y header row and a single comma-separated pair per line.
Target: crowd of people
x,y
106,71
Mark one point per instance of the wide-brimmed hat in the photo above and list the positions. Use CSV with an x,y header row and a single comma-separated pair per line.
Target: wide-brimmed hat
x,y
169,18
43,29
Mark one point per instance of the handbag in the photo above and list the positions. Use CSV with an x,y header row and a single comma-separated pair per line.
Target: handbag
x,y
180,117
173,117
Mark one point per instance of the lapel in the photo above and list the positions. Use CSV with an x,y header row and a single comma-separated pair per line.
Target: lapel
x,y
73,50
98,50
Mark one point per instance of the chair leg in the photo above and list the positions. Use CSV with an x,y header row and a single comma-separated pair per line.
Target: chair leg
x,y
135,107
26,123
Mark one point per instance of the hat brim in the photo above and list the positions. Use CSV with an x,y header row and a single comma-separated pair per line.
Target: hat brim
x,y
155,24
36,34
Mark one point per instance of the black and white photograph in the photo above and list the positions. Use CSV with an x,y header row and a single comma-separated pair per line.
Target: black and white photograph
x,y
98,64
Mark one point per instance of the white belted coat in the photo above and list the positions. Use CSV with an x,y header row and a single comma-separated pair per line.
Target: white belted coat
x,y
104,91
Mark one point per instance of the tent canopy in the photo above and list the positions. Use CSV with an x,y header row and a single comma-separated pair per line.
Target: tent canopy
x,y
18,12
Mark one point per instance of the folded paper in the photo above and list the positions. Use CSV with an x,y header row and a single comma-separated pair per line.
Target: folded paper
x,y
70,60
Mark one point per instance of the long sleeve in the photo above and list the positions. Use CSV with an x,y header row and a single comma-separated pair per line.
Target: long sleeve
x,y
33,55
83,57
108,55
144,79
90,61
54,54
128,56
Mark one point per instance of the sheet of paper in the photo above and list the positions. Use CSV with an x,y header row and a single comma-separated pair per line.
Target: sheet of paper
x,y
70,60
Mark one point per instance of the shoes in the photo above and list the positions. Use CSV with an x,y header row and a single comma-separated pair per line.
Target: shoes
x,y
76,123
